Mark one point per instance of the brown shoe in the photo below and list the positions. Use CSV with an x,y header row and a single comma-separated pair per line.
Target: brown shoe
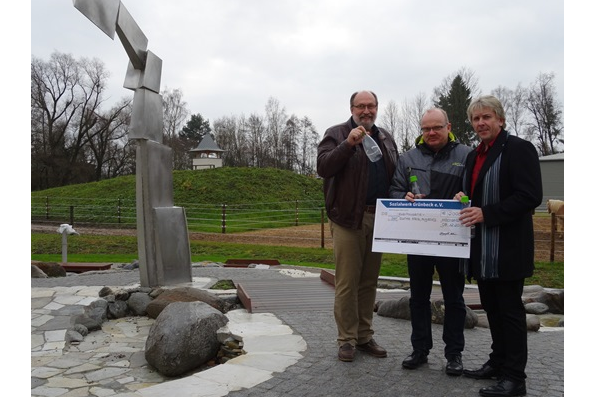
x,y
346,352
372,348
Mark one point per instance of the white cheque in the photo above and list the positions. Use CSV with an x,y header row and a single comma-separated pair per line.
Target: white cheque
x,y
425,227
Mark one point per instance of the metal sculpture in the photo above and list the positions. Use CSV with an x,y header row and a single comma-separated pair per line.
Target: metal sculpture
x,y
163,242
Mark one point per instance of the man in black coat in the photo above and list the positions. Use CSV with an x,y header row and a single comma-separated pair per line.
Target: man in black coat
x,y
503,179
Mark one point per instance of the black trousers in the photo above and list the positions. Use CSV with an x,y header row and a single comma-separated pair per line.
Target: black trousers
x,y
420,271
506,314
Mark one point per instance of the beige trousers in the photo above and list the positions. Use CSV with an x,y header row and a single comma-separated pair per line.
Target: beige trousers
x,y
356,274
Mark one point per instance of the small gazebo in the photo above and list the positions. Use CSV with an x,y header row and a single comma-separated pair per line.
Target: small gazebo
x,y
207,155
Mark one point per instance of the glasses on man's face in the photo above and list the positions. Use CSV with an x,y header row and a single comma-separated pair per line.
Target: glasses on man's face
x,y
435,128
370,106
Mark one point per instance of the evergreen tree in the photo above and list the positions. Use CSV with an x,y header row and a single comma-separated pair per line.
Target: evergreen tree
x,y
195,129
455,102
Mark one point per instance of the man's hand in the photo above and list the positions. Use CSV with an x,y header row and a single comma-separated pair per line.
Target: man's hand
x,y
356,135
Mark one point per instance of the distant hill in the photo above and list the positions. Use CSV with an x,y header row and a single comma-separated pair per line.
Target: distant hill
x,y
229,185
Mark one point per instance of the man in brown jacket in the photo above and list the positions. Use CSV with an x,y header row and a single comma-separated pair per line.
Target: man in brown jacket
x,y
352,185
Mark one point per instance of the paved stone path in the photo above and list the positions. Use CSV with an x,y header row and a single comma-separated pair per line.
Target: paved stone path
x,y
290,353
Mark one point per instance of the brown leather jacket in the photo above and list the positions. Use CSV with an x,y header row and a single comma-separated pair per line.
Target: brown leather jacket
x,y
345,171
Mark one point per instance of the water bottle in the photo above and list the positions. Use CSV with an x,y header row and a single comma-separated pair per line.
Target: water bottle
x,y
371,148
414,187
464,200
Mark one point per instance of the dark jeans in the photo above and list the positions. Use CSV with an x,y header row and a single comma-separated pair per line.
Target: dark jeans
x,y
506,314
420,271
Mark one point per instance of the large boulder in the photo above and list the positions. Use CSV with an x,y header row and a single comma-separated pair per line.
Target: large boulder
x,y
401,309
394,308
184,294
184,337
553,298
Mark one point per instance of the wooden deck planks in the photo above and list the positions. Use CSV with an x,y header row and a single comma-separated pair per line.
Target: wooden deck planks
x,y
311,293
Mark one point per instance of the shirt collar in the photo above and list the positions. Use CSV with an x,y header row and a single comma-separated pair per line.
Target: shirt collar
x,y
481,148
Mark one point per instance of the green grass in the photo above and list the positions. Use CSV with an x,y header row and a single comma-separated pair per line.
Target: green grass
x,y
254,198
123,249
249,198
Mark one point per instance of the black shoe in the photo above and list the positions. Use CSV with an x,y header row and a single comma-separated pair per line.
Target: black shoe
x,y
485,372
414,360
454,366
505,387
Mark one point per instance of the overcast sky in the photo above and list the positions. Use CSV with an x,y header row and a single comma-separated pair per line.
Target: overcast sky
x,y
229,56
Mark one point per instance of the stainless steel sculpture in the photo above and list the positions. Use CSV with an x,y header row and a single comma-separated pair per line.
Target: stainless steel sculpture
x,y
163,242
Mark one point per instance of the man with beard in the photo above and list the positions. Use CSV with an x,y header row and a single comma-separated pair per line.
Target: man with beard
x,y
352,185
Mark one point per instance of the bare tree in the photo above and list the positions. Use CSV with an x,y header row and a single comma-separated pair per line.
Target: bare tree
x,y
230,135
175,112
276,119
289,145
390,119
514,106
309,139
545,110
108,137
517,112
66,99
409,123
257,140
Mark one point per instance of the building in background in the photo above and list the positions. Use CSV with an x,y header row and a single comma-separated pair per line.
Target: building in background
x,y
207,155
553,178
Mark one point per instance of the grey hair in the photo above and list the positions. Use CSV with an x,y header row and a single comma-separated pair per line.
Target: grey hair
x,y
487,101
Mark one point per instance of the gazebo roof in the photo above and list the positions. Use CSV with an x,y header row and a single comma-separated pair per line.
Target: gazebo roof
x,y
207,144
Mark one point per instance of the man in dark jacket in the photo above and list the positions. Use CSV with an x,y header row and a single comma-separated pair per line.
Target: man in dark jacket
x,y
352,184
503,179
438,162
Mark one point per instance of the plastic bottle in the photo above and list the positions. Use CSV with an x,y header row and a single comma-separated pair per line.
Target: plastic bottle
x,y
414,187
464,200
371,148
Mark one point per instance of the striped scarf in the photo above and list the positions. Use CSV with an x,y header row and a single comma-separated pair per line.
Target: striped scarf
x,y
490,236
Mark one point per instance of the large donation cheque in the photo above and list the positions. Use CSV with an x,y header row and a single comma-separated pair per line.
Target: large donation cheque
x,y
425,227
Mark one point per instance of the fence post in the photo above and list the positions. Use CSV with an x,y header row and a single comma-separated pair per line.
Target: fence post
x,y
552,236
119,210
296,212
322,227
47,208
223,217
72,215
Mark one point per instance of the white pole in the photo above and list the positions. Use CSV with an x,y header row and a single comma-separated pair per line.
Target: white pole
x,y
64,246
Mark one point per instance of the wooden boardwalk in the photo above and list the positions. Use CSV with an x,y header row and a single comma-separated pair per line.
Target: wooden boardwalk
x,y
311,294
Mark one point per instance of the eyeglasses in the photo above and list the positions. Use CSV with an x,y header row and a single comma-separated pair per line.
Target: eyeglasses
x,y
435,128
363,106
